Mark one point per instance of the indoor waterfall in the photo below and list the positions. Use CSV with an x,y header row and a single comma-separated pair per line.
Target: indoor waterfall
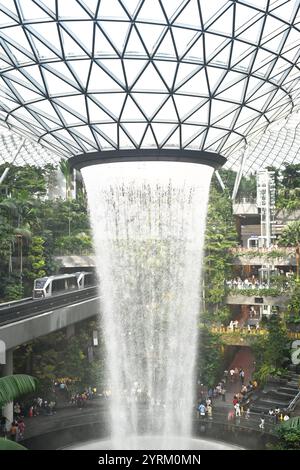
x,y
148,221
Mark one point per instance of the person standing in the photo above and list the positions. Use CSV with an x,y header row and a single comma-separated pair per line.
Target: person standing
x,y
262,421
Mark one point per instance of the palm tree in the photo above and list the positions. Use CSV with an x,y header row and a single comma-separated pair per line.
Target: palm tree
x,y
11,388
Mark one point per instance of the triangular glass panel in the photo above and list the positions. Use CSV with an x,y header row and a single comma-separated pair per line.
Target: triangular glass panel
x,y
92,5
197,143
102,46
224,23
16,35
184,70
57,86
148,140
183,38
84,132
252,33
244,15
62,71
151,34
111,9
134,44
130,5
201,115
100,81
230,79
75,103
43,51
166,47
275,44
124,141
49,33
171,8
227,121
186,104
162,131
81,69
151,11
68,117
215,76
110,130
173,141
82,32
10,5
240,50
196,52
70,47
189,15
96,114
223,56
189,132
33,74
30,11
44,108
167,70
213,43
131,112
6,20
235,92
117,32
71,9
26,94
167,112
135,130
149,102
150,80
211,9
196,84
254,84
104,143
18,56
114,68
112,102
133,69
218,109
213,138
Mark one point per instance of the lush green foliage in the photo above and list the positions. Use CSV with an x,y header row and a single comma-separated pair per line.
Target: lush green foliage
x,y
210,358
220,237
33,228
57,356
290,235
289,435
288,188
271,351
14,386
6,444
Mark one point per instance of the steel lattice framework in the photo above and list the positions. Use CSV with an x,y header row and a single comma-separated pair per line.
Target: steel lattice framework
x,y
82,76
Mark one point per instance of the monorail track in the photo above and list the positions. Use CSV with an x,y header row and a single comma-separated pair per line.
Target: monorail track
x,y
27,308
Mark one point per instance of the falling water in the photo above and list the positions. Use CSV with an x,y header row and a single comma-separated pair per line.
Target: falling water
x,y
148,222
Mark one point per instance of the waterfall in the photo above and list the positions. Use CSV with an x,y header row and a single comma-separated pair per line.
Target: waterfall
x,y
148,221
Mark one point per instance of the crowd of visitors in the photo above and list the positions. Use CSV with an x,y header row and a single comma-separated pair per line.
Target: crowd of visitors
x,y
241,401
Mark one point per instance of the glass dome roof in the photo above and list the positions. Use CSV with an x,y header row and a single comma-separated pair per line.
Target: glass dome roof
x,y
81,76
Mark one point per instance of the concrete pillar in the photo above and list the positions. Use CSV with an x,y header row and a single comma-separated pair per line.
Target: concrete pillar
x,y
7,369
70,331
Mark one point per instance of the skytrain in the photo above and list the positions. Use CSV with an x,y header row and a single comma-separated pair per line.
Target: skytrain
x,y
58,284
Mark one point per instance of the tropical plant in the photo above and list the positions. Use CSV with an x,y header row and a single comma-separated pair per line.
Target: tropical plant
x,y
6,444
14,386
11,388
291,237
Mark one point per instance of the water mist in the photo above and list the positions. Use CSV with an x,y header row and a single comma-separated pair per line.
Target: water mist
x,y
148,221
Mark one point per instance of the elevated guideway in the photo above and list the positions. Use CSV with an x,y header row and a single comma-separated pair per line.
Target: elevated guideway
x,y
28,319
